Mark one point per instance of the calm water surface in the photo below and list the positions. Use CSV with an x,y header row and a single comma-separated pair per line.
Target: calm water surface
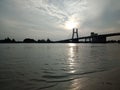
x,y
53,66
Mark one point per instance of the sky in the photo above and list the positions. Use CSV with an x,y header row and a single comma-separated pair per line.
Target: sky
x,y
54,19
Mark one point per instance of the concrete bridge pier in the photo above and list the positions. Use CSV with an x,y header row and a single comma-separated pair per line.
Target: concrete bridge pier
x,y
88,39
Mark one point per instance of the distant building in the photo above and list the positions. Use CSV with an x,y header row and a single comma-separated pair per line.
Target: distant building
x,y
94,34
95,38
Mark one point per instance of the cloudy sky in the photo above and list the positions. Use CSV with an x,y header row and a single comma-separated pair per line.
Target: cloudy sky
x,y
54,19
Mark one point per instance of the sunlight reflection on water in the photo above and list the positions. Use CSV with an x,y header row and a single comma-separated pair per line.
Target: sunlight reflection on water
x,y
72,53
72,57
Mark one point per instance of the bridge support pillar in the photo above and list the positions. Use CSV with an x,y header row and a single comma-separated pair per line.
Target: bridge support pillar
x,y
89,39
75,32
85,39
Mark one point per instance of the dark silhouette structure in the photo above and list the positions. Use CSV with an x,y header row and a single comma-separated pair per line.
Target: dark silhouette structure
x,y
93,38
75,32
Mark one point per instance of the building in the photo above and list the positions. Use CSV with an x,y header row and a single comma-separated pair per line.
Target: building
x,y
95,38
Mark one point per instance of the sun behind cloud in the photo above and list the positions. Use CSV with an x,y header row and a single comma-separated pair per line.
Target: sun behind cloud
x,y
71,23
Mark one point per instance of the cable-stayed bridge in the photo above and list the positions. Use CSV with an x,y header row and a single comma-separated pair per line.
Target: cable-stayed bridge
x,y
93,38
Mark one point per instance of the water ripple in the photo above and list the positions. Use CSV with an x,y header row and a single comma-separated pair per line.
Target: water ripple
x,y
60,78
49,86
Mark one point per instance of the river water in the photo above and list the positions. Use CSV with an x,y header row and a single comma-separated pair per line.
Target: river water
x,y
53,66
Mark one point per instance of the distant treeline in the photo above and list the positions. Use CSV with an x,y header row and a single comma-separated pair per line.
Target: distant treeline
x,y
29,40
26,40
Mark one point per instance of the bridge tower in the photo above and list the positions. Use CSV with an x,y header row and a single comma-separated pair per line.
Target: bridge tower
x,y
75,32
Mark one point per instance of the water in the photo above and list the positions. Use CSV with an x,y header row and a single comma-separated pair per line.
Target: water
x,y
53,66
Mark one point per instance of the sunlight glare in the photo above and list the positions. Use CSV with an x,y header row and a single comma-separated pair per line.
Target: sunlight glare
x,y
71,23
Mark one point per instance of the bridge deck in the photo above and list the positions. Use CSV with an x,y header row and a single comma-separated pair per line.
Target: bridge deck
x,y
85,37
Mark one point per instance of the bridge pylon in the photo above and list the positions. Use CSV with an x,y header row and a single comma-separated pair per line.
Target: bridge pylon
x,y
75,32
